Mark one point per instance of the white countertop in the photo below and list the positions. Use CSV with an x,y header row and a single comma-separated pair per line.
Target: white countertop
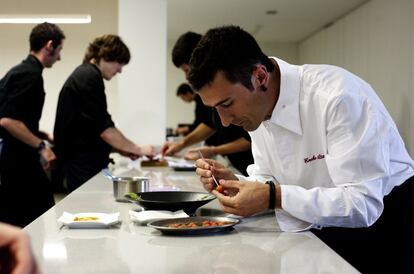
x,y
255,246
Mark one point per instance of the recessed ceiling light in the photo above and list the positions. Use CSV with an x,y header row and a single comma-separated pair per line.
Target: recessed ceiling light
x,y
271,12
40,18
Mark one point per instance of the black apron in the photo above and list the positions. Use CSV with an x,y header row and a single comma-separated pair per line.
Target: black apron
x,y
385,247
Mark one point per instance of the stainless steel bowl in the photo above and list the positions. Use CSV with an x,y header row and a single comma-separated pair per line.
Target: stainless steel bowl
x,y
125,185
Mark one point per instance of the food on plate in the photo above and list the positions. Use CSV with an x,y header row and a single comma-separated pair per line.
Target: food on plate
x,y
133,196
206,223
81,219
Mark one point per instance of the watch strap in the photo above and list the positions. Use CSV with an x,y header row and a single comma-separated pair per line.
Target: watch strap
x,y
41,146
272,194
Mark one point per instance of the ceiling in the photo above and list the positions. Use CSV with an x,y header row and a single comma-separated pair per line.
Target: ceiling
x,y
294,21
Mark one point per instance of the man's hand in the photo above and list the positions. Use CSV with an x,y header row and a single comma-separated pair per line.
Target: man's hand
x,y
16,244
47,157
171,148
249,197
140,150
207,167
147,150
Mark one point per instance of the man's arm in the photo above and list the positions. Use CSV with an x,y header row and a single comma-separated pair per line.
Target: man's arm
x,y
238,145
235,146
200,133
19,131
123,145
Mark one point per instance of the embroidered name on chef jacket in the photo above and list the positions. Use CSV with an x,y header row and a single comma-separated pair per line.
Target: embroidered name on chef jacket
x,y
313,158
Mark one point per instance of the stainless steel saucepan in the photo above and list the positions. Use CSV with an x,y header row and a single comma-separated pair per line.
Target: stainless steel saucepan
x,y
125,184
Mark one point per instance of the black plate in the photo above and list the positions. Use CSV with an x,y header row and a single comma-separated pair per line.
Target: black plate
x,y
173,200
162,225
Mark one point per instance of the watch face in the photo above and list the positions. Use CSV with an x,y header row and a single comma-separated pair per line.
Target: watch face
x,y
41,146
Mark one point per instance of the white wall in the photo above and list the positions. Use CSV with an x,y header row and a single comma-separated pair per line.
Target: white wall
x,y
138,105
285,51
181,112
142,87
375,42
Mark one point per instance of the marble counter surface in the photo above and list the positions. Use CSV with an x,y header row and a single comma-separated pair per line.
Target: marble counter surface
x,y
256,245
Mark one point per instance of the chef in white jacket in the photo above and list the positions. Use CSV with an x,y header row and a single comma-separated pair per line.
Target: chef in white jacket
x,y
327,154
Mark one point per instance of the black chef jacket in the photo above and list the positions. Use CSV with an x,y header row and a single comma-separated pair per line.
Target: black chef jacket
x,y
200,112
240,160
25,191
203,113
80,119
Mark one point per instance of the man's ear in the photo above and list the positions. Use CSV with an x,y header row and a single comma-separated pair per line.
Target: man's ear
x,y
261,77
49,46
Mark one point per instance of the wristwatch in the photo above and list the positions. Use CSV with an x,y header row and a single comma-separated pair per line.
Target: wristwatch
x,y
41,146
272,194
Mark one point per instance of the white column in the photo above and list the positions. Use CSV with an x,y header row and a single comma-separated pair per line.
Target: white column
x,y
142,84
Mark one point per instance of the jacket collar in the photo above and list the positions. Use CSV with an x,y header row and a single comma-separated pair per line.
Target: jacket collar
x,y
32,59
286,112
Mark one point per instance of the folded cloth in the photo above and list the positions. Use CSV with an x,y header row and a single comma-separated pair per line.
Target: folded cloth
x,y
146,216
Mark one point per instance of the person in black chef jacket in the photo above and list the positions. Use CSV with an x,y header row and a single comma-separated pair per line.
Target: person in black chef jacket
x,y
186,93
25,191
232,141
84,131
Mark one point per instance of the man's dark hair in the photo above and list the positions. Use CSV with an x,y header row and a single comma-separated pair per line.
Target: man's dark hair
x,y
183,48
108,47
184,89
43,33
229,49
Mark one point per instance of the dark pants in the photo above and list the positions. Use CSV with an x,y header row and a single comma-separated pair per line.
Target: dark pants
x,y
385,247
78,171
25,190
75,176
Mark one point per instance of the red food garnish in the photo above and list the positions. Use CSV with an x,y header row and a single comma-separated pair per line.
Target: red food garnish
x,y
206,223
219,188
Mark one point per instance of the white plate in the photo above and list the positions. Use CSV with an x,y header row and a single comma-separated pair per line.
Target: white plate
x,y
102,220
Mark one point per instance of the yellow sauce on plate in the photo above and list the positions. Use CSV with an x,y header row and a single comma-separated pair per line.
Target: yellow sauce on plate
x,y
80,219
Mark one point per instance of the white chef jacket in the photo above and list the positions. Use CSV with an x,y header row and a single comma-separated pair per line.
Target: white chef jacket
x,y
332,146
